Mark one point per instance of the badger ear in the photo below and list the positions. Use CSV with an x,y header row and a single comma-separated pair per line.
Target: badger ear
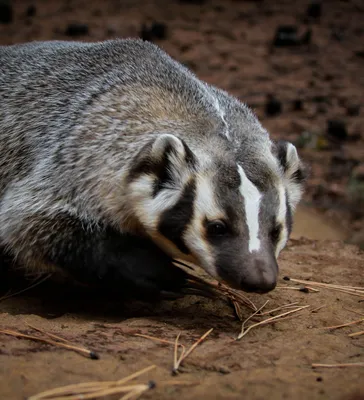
x,y
295,172
167,158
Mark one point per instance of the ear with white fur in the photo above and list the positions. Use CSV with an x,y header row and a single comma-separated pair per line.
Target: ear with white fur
x,y
167,159
295,172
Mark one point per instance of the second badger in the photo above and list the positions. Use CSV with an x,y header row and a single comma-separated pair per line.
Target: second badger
x,y
111,153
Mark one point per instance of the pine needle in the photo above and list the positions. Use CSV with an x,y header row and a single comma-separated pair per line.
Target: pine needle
x,y
347,365
268,321
356,334
315,310
290,305
158,339
49,334
82,390
251,316
353,290
217,289
184,354
78,349
343,325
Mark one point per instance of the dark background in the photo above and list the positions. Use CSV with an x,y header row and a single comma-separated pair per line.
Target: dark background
x,y
299,64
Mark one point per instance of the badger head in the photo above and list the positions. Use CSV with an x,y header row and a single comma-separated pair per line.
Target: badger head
x,y
218,212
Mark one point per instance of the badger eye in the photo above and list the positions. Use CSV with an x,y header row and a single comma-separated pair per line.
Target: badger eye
x,y
274,233
216,228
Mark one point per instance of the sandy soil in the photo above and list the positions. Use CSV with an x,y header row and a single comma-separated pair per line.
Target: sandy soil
x,y
270,362
227,43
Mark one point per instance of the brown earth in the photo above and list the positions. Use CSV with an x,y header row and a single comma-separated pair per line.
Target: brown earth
x,y
271,361
227,43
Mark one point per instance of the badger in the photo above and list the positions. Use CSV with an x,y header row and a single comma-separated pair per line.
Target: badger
x,y
116,160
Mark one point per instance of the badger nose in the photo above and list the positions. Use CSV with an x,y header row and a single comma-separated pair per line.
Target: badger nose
x,y
262,277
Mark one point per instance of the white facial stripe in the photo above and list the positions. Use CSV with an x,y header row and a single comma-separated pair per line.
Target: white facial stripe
x,y
204,207
252,198
205,204
281,219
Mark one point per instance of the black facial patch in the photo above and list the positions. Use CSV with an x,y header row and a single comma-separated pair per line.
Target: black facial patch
x,y
275,233
142,164
299,176
189,157
162,171
282,153
145,164
173,222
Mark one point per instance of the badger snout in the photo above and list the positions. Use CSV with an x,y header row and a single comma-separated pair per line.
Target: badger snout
x,y
253,273
260,276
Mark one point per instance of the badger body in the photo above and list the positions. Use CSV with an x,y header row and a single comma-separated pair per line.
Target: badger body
x,y
115,159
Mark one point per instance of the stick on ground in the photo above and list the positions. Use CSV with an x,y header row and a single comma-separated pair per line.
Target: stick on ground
x,y
97,389
269,321
347,365
356,334
358,321
353,290
184,354
89,353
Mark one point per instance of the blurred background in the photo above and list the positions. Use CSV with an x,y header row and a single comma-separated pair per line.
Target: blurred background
x,y
298,64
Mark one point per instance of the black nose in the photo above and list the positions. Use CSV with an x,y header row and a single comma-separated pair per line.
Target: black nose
x,y
261,277
261,287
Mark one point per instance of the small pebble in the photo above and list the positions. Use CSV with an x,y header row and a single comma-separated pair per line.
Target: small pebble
x,y
224,370
94,356
152,384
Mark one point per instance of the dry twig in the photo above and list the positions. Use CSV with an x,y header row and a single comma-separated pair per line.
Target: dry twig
x,y
343,325
315,310
64,343
356,334
92,390
268,321
177,361
159,340
304,289
353,290
347,365
216,289
290,305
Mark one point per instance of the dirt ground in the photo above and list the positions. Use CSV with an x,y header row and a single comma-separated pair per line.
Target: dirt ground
x,y
227,43
273,361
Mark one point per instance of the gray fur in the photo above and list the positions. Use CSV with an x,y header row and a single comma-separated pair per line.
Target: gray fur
x,y
73,120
